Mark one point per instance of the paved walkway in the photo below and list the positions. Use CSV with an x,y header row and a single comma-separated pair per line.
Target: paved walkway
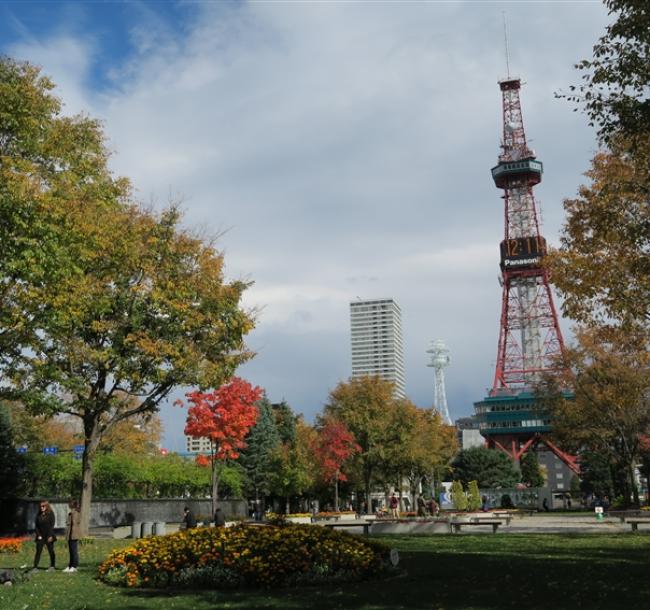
x,y
581,523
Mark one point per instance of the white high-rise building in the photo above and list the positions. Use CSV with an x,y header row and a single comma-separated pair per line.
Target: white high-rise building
x,y
376,334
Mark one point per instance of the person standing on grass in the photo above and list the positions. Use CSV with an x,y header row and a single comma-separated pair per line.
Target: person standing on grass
x,y
44,527
394,506
74,531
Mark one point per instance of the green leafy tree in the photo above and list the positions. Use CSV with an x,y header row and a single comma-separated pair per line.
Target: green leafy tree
x,y
616,81
596,473
285,422
574,486
49,476
256,458
10,461
531,474
489,467
106,307
458,496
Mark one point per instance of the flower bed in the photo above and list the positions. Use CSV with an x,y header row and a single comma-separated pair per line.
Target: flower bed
x,y
11,545
245,555
343,514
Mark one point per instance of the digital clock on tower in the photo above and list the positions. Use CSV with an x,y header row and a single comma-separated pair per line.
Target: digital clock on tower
x,y
522,252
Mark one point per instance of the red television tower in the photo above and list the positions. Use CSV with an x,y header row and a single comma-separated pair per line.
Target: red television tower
x,y
530,339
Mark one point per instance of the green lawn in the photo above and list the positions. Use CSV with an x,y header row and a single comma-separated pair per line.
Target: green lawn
x,y
463,572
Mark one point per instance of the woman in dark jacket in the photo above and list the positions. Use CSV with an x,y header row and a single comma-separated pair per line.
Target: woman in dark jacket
x,y
45,534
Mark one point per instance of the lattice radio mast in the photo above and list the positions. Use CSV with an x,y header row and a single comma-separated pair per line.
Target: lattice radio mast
x,y
440,360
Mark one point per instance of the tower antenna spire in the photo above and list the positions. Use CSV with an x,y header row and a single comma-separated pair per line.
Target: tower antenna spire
x,y
505,39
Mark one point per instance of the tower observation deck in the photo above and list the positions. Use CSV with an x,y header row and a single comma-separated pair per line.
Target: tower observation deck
x,y
530,339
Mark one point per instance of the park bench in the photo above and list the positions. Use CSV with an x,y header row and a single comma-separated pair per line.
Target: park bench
x,y
455,526
623,515
359,523
489,517
636,522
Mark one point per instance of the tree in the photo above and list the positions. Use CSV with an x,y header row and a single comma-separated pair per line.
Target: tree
x,y
335,445
291,472
261,444
365,405
428,449
101,302
609,369
36,432
52,167
473,496
596,474
10,461
488,467
223,416
616,81
458,496
531,475
602,268
138,435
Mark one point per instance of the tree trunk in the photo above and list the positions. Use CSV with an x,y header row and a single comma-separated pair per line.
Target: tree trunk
x,y
635,489
215,485
336,493
367,474
91,442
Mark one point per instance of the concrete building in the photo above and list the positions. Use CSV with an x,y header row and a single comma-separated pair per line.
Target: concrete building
x,y
197,445
469,434
376,338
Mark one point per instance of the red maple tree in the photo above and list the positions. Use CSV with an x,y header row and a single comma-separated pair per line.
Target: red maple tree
x,y
334,446
223,416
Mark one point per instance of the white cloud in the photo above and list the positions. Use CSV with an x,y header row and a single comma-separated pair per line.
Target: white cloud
x,y
346,147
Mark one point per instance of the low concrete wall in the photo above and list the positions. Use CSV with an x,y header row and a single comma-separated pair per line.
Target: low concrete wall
x,y
114,513
410,527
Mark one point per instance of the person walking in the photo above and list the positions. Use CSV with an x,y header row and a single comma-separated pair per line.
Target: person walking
x,y
44,527
188,519
394,506
219,518
74,531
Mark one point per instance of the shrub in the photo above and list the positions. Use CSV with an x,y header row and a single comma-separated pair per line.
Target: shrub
x,y
458,496
245,555
474,496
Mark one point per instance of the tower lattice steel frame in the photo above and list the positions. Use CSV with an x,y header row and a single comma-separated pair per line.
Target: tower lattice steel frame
x,y
530,338
440,359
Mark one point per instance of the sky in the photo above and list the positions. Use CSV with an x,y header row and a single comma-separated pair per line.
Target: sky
x,y
338,150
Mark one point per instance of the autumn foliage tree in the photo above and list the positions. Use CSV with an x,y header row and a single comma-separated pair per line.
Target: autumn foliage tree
x,y
223,416
602,268
609,370
105,307
334,446
365,405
